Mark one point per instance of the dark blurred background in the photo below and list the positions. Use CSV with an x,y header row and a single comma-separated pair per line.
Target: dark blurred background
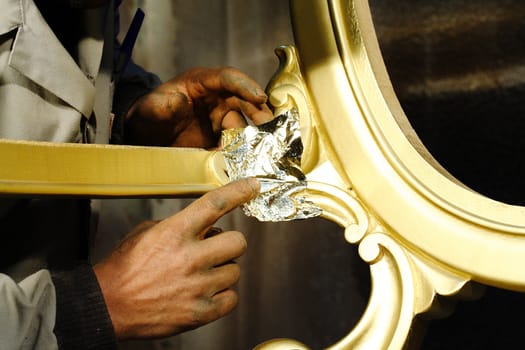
x,y
458,69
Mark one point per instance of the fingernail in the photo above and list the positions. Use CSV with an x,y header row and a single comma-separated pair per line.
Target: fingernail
x,y
260,93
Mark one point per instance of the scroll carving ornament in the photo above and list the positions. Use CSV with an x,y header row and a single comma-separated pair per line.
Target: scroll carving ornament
x,y
423,234
404,283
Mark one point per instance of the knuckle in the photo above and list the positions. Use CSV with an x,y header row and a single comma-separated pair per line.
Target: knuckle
x,y
228,302
216,201
247,187
228,70
241,240
210,308
187,263
229,75
204,311
235,272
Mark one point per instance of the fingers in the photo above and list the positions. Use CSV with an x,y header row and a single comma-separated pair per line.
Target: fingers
x,y
225,301
199,216
222,277
214,231
231,120
259,116
236,83
220,298
199,83
215,307
229,114
216,297
221,248
170,278
231,80
242,85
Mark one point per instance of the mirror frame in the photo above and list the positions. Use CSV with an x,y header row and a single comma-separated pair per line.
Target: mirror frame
x,y
373,146
422,232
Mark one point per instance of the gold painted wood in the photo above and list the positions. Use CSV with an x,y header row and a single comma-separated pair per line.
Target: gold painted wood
x,y
403,283
422,232
41,169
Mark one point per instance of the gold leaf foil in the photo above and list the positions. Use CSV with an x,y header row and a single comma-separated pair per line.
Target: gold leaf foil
x,y
270,152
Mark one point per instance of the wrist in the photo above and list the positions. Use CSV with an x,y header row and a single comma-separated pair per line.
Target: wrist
x,y
110,297
82,320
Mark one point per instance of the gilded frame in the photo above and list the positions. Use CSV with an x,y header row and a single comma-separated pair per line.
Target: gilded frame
x,y
422,232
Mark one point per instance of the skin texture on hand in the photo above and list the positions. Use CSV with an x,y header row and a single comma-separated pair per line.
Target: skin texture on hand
x,y
170,276
191,109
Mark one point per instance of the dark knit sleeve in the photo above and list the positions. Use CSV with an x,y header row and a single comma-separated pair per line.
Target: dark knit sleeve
x,y
82,319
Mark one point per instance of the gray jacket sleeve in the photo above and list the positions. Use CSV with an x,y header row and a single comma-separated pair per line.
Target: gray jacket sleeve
x,y
27,312
29,318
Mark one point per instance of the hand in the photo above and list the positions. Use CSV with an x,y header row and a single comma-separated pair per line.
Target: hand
x,y
191,109
168,277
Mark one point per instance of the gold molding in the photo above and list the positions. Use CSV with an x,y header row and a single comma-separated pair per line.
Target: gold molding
x,y
412,281
51,169
389,169
422,232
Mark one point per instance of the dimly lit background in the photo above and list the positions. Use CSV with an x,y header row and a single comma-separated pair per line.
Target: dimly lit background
x,y
458,69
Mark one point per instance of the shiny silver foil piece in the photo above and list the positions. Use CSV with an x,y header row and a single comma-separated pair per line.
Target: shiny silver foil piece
x,y
272,153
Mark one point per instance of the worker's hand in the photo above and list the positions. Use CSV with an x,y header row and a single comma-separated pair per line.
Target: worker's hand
x,y
192,109
172,276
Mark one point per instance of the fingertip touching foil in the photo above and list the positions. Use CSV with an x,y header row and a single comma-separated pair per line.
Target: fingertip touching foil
x,y
271,153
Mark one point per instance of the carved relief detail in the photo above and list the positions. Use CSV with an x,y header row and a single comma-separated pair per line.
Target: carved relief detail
x,y
404,282
287,90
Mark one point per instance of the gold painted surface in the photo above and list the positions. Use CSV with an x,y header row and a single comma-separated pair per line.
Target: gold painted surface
x,y
422,232
390,169
404,284
41,168
281,344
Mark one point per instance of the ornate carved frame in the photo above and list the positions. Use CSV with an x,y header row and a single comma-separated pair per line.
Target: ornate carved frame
x,y
422,232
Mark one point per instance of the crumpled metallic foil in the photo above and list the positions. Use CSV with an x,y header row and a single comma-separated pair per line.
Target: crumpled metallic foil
x,y
271,153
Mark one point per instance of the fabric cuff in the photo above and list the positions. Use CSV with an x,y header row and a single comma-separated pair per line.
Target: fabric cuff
x,y
82,319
